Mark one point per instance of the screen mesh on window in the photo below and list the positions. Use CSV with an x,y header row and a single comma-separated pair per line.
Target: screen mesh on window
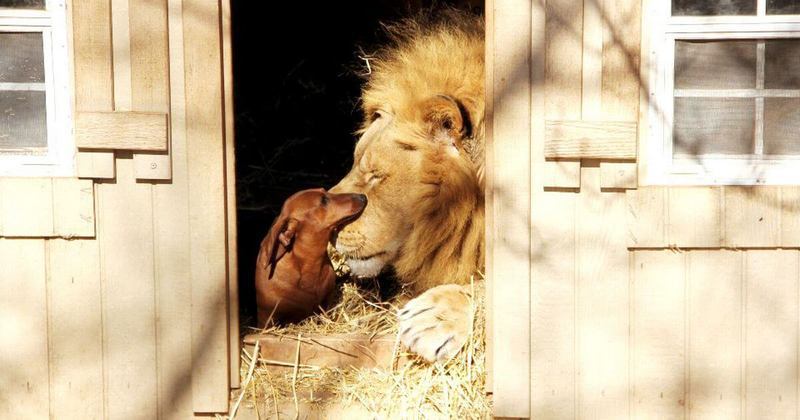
x,y
22,4
714,7
736,97
23,107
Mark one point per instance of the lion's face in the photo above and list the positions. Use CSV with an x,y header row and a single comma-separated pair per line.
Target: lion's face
x,y
398,165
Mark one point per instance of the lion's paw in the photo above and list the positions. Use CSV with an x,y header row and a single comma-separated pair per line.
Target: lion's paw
x,y
437,323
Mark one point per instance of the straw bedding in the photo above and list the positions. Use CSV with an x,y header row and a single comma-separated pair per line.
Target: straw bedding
x,y
412,388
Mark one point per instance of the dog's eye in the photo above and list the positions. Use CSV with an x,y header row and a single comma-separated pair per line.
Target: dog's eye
x,y
324,200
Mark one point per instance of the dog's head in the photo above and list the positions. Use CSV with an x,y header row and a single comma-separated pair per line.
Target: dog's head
x,y
310,218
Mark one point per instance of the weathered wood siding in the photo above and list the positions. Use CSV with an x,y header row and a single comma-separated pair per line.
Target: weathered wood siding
x,y
668,302
114,289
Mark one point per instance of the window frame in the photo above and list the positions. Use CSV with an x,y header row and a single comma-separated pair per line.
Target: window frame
x,y
59,160
709,169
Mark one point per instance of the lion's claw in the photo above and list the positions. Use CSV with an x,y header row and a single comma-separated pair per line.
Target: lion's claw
x,y
436,324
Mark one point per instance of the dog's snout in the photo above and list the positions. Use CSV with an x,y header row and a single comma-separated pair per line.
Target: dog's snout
x,y
362,198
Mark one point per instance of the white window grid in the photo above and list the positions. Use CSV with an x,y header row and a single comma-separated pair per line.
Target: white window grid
x,y
713,169
59,158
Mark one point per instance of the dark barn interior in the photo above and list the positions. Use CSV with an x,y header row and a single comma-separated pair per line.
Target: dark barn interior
x,y
297,75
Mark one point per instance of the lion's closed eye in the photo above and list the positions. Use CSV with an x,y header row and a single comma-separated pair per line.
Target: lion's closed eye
x,y
406,146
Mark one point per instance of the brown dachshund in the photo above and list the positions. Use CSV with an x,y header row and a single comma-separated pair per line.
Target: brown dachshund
x,y
293,273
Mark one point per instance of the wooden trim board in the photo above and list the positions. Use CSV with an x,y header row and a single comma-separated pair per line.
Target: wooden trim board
x,y
121,130
590,139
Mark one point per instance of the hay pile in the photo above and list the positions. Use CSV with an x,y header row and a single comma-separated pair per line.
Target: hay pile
x,y
413,388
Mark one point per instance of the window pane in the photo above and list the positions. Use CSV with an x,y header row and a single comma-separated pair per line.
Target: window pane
x,y
782,64
715,64
713,7
21,59
22,119
713,125
23,4
782,126
783,7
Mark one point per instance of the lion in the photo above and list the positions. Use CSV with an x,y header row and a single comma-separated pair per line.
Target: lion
x,y
420,162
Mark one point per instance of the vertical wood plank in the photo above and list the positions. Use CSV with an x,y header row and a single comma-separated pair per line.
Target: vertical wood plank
x,y
658,335
230,197
694,217
204,129
125,233
150,76
23,326
563,58
646,217
121,47
511,188
602,300
172,259
618,175
771,325
94,82
646,92
553,311
715,334
752,216
790,216
75,329
592,68
489,194
562,174
27,207
73,207
620,57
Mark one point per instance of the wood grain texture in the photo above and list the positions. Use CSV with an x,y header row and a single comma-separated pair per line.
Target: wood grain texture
x,y
150,77
592,66
73,208
790,216
694,218
511,187
171,257
602,300
563,59
562,174
125,233
588,139
771,328
230,200
94,80
659,358
23,324
95,164
27,207
121,130
553,310
75,329
620,57
752,216
647,217
489,193
620,175
205,131
714,283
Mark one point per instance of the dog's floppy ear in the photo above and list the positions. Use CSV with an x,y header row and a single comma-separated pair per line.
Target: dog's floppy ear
x,y
278,241
444,115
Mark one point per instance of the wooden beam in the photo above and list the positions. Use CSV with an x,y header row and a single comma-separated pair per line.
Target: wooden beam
x,y
121,130
330,351
590,139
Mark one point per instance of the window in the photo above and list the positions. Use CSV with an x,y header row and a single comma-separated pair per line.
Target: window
x,y
725,93
35,128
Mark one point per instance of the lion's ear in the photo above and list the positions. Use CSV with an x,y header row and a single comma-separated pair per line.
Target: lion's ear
x,y
445,115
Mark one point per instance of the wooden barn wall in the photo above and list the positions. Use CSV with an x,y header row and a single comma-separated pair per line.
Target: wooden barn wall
x,y
132,322
644,302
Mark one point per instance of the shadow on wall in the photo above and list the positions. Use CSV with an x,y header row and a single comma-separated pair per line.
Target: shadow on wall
x,y
297,79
